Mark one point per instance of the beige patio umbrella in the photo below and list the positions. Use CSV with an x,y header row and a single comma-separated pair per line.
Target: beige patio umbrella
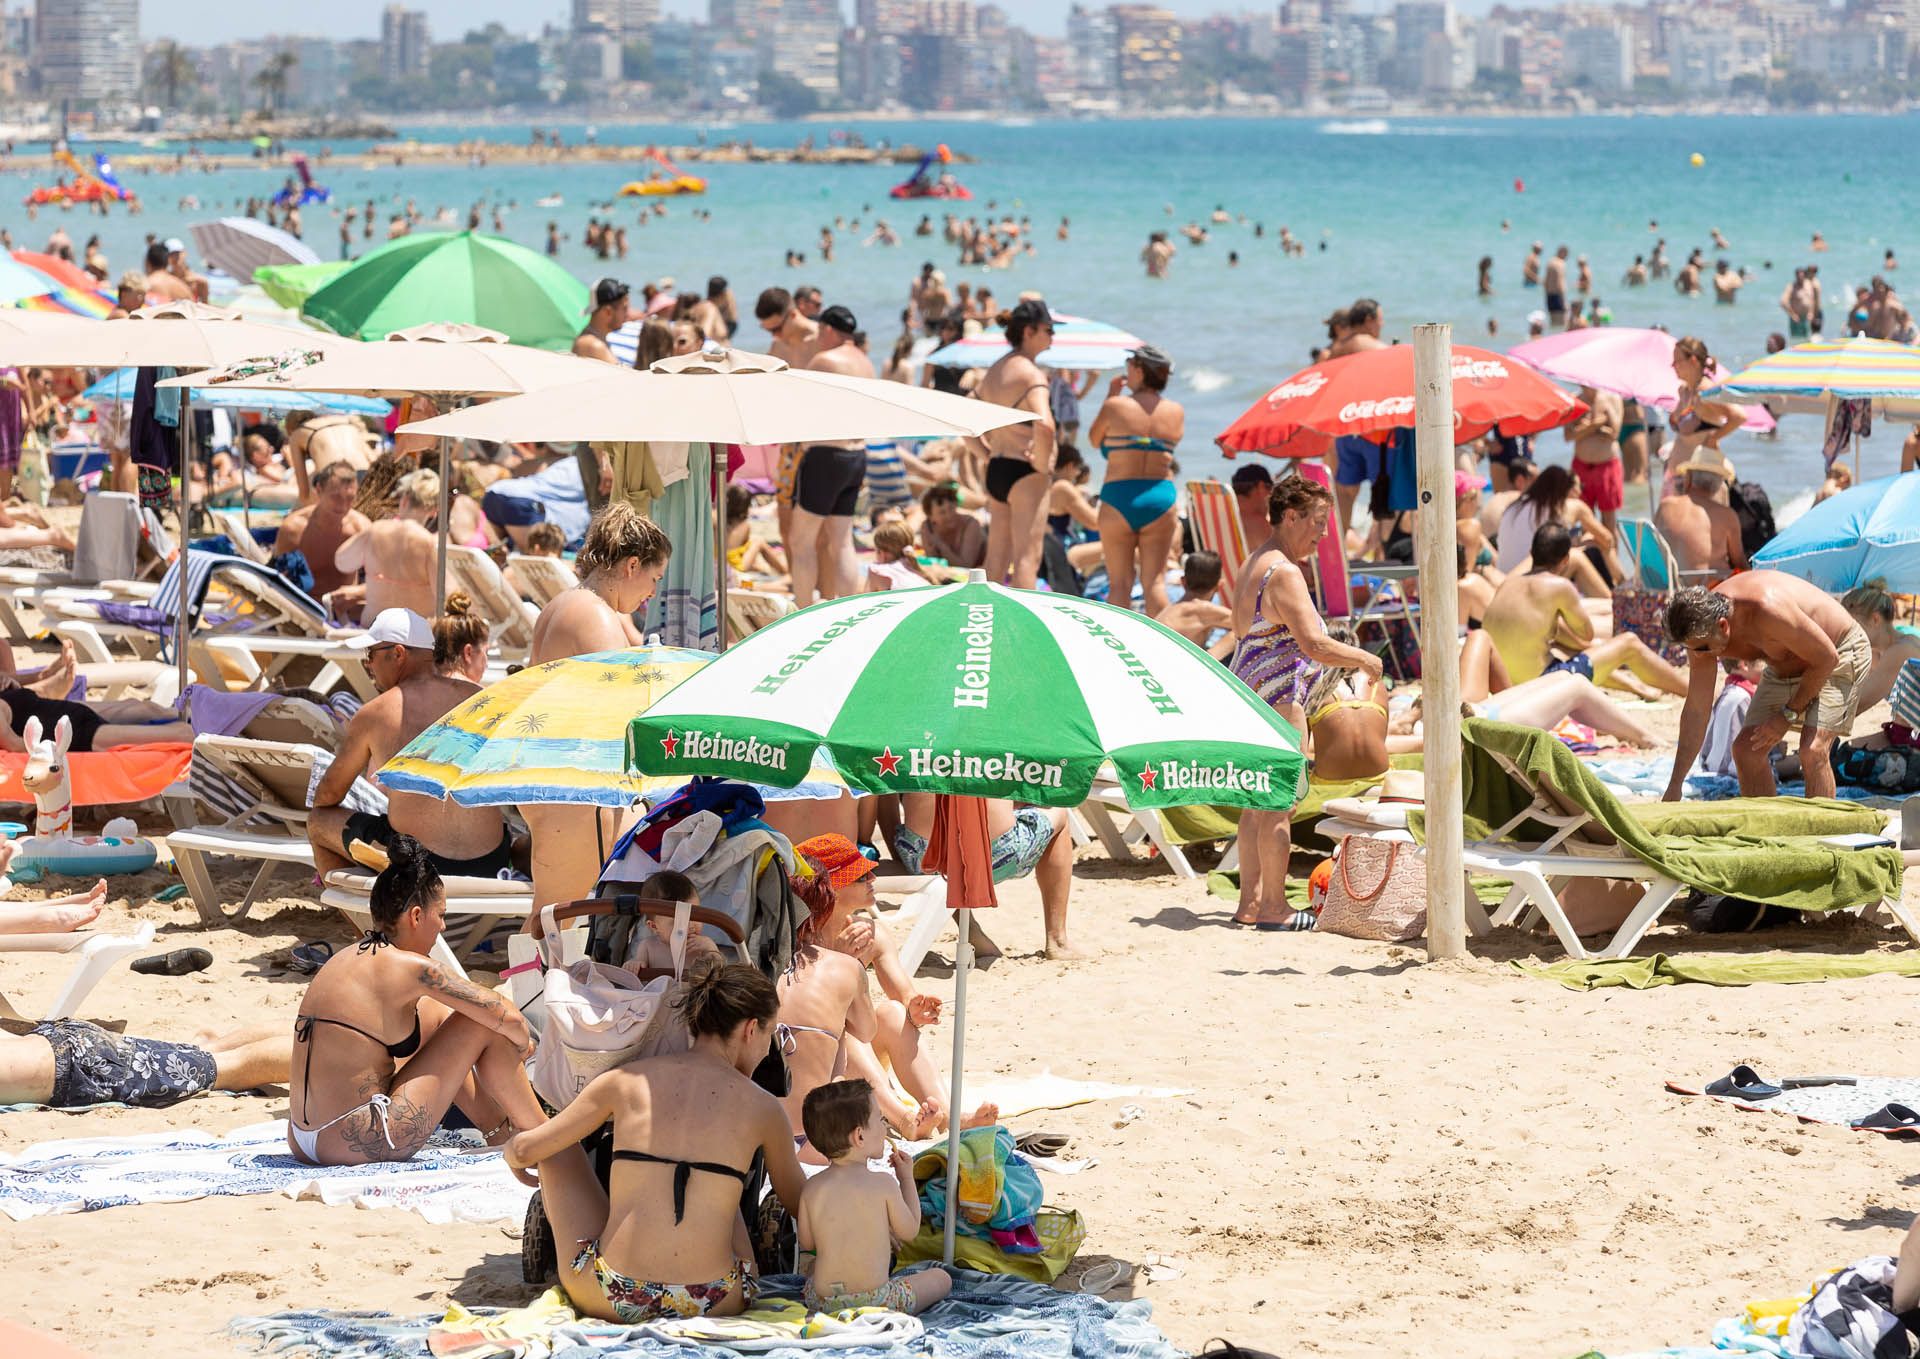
x,y
438,360
188,335
723,396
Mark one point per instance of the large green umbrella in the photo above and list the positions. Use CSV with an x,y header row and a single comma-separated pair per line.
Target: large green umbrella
x,y
980,691
458,276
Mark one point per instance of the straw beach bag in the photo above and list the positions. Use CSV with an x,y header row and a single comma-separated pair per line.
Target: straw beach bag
x,y
1378,890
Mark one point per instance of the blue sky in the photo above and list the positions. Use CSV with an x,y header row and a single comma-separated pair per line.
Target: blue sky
x,y
207,21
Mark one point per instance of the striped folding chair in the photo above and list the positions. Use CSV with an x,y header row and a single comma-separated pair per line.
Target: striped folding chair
x,y
1216,522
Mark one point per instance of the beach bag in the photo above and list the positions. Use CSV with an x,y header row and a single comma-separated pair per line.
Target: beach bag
x,y
1851,1316
1395,640
1644,614
599,1016
1377,890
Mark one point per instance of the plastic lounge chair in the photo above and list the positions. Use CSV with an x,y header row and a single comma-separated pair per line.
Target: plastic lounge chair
x,y
1564,824
1216,522
265,602
233,523
750,610
98,953
541,579
479,903
510,617
1106,803
275,777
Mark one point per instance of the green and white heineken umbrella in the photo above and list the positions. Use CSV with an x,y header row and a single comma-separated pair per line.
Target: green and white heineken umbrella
x,y
981,691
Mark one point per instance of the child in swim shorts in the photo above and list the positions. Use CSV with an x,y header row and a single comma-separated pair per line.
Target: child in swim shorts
x,y
852,1215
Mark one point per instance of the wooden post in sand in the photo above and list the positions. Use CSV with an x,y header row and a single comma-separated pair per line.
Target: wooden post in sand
x,y
1439,638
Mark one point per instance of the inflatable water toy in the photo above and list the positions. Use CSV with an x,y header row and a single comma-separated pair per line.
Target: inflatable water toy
x,y
98,185
306,191
552,200
53,847
667,179
923,183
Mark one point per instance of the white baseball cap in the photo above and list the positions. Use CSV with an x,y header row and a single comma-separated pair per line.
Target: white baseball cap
x,y
176,246
402,626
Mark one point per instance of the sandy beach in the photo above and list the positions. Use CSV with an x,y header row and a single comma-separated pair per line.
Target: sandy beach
x,y
1373,1149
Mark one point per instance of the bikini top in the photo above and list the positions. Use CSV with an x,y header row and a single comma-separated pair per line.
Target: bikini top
x,y
682,1172
371,942
1133,443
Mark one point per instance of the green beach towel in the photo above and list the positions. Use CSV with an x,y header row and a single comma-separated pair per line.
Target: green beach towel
x,y
1742,969
1793,871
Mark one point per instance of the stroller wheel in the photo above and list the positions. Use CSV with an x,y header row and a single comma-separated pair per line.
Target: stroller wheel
x,y
539,1259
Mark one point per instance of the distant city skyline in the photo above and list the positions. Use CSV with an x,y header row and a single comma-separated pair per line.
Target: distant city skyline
x,y
202,21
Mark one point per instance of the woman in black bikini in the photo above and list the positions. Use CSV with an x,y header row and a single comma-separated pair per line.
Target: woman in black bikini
x,y
662,1238
1016,497
358,1096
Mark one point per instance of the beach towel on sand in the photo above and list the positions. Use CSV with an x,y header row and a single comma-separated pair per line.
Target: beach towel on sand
x,y
987,1317
1838,1104
1739,969
450,1180
1797,872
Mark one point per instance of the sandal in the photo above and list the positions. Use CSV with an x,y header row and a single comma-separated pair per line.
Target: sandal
x,y
1743,1082
1045,1144
308,959
175,964
1888,1118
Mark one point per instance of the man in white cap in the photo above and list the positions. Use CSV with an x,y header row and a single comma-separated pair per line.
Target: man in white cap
x,y
1703,533
464,841
162,284
177,266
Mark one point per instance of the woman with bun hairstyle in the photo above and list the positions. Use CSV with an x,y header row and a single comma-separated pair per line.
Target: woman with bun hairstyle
x,y
664,1237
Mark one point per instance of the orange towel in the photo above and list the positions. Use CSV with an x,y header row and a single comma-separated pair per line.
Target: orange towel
x,y
123,774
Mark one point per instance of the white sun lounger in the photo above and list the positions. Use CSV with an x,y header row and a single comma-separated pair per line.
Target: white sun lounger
x,y
541,579
478,903
510,617
98,953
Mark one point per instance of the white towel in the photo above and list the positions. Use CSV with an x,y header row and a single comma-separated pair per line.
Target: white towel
x,y
450,1180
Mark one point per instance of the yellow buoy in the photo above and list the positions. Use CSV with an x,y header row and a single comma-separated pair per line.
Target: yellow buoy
x,y
1697,160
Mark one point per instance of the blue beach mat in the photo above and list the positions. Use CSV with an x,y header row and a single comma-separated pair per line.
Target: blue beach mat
x,y
987,1317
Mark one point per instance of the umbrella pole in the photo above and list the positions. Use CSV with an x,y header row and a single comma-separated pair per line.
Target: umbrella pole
x,y
185,623
719,482
440,538
962,964
1439,610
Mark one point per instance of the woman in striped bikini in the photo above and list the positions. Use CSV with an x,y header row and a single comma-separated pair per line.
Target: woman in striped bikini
x,y
1282,645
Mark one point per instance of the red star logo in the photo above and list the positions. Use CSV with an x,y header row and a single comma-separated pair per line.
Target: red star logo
x,y
1147,776
669,744
887,760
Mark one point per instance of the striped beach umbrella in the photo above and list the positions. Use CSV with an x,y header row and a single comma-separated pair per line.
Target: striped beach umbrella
x,y
1077,343
557,733
1810,377
977,690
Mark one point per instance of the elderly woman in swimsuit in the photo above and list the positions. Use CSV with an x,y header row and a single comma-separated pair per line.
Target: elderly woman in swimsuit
x,y
387,1040
664,1238
1282,641
1136,431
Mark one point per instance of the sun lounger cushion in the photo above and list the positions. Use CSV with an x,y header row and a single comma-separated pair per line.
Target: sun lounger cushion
x,y
1800,873
124,774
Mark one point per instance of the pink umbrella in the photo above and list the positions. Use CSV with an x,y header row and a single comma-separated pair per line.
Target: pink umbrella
x,y
1635,363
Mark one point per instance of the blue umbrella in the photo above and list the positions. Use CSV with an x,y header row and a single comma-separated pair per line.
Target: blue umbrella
x,y
1870,532
118,386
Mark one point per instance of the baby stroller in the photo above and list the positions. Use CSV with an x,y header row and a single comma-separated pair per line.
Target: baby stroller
x,y
758,929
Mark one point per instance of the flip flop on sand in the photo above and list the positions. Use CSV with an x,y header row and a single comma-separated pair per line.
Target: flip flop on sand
x,y
1041,1143
310,958
175,964
1744,1082
1890,1116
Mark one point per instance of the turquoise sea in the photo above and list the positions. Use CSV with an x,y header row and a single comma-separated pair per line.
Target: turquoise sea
x,y
1404,209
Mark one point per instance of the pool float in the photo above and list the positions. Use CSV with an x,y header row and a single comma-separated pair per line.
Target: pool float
x,y
53,847
668,179
923,183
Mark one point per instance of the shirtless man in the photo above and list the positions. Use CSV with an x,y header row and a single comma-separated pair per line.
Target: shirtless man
x,y
1816,657
178,267
791,336
1530,267
462,841
316,441
608,315
320,530
1596,455
1539,627
828,479
1553,282
1726,284
1703,533
1364,319
1158,255
71,1064
1016,497
1797,302
1520,475
162,284
397,553
1197,614
1252,488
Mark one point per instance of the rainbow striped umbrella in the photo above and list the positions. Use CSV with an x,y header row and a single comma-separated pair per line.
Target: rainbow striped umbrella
x,y
1811,377
557,733
1077,343
22,285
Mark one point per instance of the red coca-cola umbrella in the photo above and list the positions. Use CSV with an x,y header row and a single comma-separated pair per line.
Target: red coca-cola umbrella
x,y
1370,394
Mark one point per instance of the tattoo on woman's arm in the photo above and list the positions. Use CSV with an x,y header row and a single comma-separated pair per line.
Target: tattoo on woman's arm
x,y
434,978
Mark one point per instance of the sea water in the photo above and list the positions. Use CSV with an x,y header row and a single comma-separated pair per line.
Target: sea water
x,y
1398,209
